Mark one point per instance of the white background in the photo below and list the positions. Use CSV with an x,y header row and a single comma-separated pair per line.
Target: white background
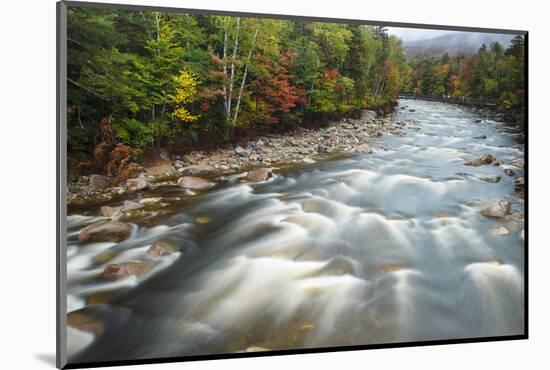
x,y
27,194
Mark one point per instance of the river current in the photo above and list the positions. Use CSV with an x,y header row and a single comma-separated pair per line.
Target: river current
x,y
383,247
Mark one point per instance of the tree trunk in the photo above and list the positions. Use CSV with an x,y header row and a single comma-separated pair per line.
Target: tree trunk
x,y
232,78
244,75
225,71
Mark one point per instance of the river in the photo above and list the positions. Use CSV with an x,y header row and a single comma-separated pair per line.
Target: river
x,y
373,248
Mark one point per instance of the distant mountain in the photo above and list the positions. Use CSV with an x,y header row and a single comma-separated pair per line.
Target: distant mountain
x,y
453,43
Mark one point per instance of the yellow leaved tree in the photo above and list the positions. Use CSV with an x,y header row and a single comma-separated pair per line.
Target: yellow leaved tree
x,y
185,93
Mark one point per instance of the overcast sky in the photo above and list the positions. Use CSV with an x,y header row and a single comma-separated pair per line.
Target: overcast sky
x,y
413,34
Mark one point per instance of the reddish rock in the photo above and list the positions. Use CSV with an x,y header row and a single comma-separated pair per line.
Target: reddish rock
x,y
261,174
120,270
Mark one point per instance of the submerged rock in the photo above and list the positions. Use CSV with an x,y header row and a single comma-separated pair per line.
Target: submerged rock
x,y
120,270
192,182
105,231
391,267
150,200
162,247
85,322
496,208
261,174
484,159
493,179
509,172
499,231
106,256
257,349
202,220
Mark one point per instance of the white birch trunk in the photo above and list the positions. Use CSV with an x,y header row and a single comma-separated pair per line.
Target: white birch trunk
x,y
225,71
232,78
244,75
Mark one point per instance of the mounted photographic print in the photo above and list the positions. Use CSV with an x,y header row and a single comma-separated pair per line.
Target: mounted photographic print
x,y
235,184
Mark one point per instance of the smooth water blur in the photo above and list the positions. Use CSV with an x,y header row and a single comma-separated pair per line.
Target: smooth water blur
x,y
374,248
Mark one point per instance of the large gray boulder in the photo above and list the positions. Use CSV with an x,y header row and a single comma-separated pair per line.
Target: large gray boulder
x,y
105,231
368,115
99,182
496,208
162,247
484,159
136,184
192,182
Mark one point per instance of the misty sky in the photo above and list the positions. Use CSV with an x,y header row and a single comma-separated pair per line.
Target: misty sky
x,y
413,34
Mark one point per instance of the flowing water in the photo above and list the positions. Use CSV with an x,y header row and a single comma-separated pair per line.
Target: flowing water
x,y
373,248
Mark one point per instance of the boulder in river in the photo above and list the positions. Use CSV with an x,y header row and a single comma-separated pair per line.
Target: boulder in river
x,y
192,182
493,179
519,163
519,187
499,231
484,159
129,205
261,174
120,270
85,322
162,247
107,211
495,208
509,172
99,182
136,184
105,231
363,149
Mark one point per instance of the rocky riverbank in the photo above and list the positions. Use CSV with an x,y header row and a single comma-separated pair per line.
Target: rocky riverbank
x,y
302,146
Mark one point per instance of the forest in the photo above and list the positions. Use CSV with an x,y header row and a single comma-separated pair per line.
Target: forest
x,y
164,76
138,81
493,75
